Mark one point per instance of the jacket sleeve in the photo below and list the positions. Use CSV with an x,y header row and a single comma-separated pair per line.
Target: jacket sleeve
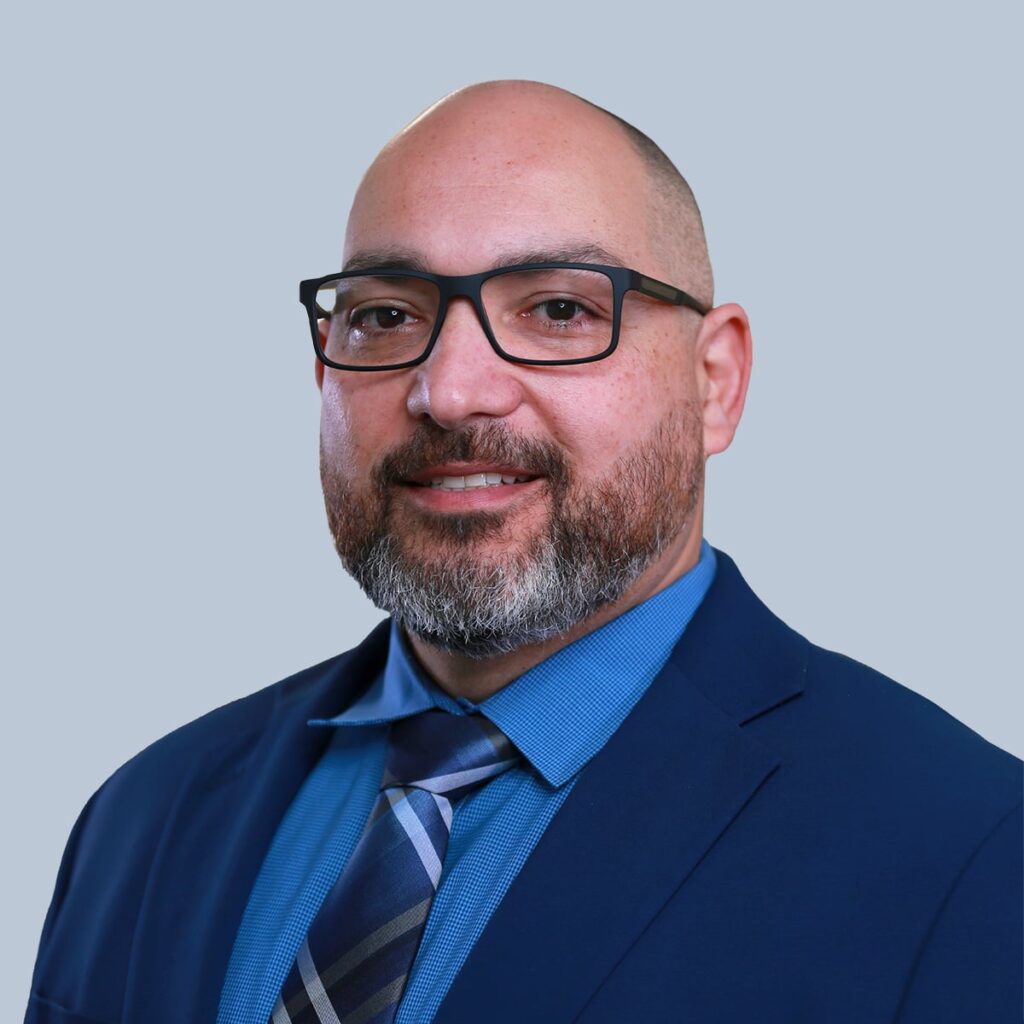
x,y
971,965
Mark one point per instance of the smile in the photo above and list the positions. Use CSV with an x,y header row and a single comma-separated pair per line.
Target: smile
x,y
474,480
472,487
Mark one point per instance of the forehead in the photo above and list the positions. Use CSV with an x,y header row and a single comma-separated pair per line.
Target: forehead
x,y
464,192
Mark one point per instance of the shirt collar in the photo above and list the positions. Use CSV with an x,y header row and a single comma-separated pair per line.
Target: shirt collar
x,y
562,711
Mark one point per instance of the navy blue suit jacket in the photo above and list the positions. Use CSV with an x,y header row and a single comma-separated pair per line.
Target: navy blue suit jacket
x,y
776,833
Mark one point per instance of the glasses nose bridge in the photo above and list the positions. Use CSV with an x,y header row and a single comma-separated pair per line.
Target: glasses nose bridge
x,y
462,287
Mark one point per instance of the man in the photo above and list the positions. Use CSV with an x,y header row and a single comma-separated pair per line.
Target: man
x,y
583,773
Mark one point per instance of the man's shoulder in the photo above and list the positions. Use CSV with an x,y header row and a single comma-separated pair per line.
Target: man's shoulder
x,y
217,741
869,732
177,780
221,727
835,714
866,697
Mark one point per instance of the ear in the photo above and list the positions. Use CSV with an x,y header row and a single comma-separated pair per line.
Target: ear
x,y
318,367
723,353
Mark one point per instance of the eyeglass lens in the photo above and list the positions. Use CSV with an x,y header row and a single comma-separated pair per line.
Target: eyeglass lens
x,y
549,314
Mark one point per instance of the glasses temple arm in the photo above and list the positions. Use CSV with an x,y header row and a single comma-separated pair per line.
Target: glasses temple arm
x,y
667,293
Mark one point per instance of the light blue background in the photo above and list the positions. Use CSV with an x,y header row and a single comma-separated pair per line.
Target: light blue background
x,y
172,171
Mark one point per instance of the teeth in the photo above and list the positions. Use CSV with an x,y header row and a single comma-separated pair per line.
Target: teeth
x,y
474,480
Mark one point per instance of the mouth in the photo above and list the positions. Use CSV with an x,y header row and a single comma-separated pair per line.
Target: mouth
x,y
465,487
470,478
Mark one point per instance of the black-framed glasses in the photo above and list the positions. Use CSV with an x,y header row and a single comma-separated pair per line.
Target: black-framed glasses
x,y
544,314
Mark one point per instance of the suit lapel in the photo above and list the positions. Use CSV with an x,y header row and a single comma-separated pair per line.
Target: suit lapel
x,y
642,815
217,835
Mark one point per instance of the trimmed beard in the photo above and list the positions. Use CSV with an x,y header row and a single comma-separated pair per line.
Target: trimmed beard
x,y
596,544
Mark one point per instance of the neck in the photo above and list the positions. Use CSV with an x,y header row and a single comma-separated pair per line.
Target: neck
x,y
476,679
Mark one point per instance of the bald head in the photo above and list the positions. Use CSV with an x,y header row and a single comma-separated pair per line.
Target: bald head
x,y
500,134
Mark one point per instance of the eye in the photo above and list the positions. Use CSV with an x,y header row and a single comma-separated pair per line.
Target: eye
x,y
559,316
380,317
561,309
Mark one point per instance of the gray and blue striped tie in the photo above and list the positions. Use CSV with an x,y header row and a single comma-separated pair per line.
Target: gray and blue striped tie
x,y
353,965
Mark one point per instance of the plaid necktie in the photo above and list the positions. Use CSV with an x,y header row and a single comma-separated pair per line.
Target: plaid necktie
x,y
355,960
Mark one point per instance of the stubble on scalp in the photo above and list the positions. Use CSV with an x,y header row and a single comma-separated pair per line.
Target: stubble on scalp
x,y
432,574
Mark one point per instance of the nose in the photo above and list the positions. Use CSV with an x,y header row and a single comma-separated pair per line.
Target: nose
x,y
463,377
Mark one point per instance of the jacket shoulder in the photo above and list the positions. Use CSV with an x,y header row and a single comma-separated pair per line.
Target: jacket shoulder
x,y
161,765
906,746
119,831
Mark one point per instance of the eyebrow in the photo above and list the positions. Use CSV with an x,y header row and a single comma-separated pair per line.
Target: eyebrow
x,y
410,259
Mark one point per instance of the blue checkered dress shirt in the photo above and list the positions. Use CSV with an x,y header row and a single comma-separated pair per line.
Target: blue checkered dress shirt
x,y
559,714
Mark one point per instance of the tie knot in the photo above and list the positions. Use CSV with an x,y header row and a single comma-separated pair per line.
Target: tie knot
x,y
446,754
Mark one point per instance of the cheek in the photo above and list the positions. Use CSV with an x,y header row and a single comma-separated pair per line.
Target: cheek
x,y
602,411
348,428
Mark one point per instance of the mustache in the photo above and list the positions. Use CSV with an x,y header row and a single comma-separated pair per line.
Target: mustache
x,y
432,445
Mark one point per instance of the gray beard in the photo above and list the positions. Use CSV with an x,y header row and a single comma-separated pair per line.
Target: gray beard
x,y
596,545
480,609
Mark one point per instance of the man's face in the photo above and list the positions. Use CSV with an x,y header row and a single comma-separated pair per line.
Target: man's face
x,y
611,451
